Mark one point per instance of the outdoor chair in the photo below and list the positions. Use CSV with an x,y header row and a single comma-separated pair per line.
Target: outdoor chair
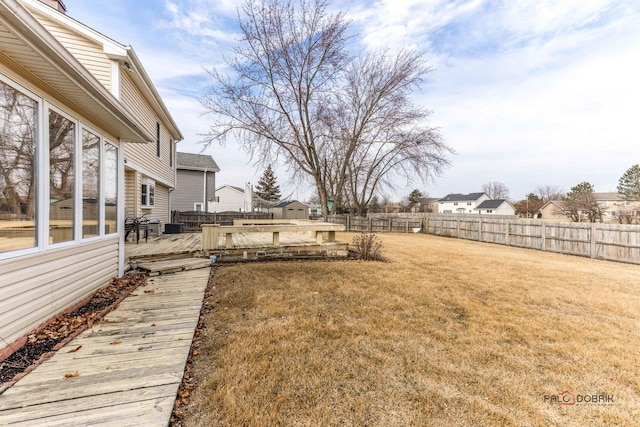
x,y
137,225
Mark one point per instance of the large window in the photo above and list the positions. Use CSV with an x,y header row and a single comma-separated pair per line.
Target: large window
x,y
90,183
18,179
110,189
58,179
61,178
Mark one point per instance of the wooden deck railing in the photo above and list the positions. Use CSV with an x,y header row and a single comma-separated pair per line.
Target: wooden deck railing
x,y
211,232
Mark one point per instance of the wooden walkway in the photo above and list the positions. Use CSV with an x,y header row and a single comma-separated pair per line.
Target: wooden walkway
x,y
126,370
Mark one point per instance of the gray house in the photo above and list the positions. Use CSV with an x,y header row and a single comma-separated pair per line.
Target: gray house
x,y
195,183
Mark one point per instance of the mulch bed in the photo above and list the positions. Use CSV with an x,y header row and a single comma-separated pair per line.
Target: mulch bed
x,y
63,328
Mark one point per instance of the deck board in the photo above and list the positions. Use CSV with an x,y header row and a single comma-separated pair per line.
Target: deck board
x,y
129,366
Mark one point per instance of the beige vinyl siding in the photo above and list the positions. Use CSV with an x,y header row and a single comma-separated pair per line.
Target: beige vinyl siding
x,y
35,288
160,210
131,194
145,155
87,52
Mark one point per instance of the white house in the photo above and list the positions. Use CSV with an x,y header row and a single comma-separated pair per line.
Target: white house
x,y
496,207
461,203
231,198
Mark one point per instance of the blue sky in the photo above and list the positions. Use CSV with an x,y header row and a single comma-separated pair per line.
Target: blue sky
x,y
527,92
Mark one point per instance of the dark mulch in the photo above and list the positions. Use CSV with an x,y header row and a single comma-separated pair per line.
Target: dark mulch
x,y
66,325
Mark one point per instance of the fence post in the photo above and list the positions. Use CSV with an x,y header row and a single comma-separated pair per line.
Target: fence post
x,y
390,224
348,222
370,224
480,229
544,236
406,226
458,228
592,246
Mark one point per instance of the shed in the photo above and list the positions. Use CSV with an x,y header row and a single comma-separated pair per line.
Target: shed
x,y
291,210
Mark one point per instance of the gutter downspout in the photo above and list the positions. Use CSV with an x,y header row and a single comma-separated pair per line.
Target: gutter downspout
x,y
205,204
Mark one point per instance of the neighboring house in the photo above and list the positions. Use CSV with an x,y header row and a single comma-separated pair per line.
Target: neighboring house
x,y
614,209
76,113
553,210
231,198
291,210
496,207
195,183
461,203
429,204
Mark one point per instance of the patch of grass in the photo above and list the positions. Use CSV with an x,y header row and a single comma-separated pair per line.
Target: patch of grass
x,y
449,332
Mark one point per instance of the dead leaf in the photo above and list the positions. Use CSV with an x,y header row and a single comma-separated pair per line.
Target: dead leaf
x,y
116,342
153,324
75,374
75,349
195,352
149,291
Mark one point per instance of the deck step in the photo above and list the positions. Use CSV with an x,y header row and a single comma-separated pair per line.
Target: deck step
x,y
156,268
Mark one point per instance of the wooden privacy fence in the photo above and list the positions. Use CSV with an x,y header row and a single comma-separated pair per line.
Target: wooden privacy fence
x,y
193,220
614,242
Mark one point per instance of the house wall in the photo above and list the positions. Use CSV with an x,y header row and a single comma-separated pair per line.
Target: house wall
x,y
143,157
87,52
294,210
553,212
36,287
230,200
39,282
190,190
132,203
503,209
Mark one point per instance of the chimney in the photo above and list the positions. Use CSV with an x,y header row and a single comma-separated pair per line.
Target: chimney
x,y
56,4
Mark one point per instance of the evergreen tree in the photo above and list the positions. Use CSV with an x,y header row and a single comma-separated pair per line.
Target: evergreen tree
x,y
414,197
267,189
629,183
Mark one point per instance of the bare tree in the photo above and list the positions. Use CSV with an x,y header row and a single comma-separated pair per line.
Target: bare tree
x,y
297,95
379,133
549,192
496,190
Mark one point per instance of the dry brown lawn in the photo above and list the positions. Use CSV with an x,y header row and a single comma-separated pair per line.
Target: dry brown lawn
x,y
447,333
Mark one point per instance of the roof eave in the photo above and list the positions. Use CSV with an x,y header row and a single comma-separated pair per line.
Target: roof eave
x,y
47,48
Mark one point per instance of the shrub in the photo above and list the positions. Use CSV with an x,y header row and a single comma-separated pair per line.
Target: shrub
x,y
368,246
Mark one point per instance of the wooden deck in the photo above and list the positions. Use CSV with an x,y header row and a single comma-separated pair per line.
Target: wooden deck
x,y
190,245
124,371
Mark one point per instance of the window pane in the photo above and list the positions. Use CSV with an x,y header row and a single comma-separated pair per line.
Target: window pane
x,y
110,189
143,194
90,183
61,182
152,195
18,118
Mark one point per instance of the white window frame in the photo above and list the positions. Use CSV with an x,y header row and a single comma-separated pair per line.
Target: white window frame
x,y
195,207
77,178
148,197
41,179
